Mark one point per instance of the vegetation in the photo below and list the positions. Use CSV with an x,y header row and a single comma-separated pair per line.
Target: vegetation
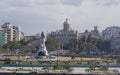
x,y
52,44
104,45
31,45
86,45
89,45
1,49
12,45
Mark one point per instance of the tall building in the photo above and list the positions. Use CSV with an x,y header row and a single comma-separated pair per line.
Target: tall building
x,y
13,32
9,31
110,32
16,33
94,33
65,35
2,37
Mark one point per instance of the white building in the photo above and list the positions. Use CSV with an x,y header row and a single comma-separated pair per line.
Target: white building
x,y
22,36
16,33
13,32
110,32
64,36
115,42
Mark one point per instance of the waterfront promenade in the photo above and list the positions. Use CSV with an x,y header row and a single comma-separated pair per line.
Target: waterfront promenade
x,y
39,67
75,70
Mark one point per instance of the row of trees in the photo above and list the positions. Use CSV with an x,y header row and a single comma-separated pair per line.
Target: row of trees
x,y
25,46
84,44
88,44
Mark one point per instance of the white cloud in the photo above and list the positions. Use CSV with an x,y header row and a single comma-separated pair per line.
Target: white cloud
x,y
47,15
107,2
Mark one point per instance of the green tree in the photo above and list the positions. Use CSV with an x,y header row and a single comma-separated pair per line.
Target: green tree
x,y
83,39
87,44
52,44
72,44
12,45
1,49
104,45
23,42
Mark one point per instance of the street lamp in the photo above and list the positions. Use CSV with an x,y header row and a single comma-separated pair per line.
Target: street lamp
x,y
17,51
57,55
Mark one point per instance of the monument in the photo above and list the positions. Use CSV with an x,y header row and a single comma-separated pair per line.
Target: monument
x,y
42,52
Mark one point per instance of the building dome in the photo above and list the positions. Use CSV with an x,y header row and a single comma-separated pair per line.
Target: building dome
x,y
66,26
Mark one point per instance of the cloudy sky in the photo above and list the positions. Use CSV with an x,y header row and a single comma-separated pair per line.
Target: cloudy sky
x,y
35,16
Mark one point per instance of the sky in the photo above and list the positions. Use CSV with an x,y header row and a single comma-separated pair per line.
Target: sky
x,y
35,16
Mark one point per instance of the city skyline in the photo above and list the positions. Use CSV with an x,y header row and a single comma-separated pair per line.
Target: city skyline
x,y
49,15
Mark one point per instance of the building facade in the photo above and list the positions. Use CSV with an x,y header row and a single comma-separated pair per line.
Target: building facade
x,y
7,27
13,32
2,37
115,42
16,33
65,35
110,32
94,33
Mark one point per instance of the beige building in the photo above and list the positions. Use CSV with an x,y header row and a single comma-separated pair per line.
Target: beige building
x,y
65,35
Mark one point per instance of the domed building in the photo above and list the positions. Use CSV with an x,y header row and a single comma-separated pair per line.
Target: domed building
x,y
65,35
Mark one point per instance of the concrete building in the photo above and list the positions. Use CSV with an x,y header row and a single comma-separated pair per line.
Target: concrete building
x,y
2,37
22,36
16,33
13,32
65,35
110,32
9,31
115,42
94,33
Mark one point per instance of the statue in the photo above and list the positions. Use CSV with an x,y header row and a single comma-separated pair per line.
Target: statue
x,y
42,35
42,51
42,40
